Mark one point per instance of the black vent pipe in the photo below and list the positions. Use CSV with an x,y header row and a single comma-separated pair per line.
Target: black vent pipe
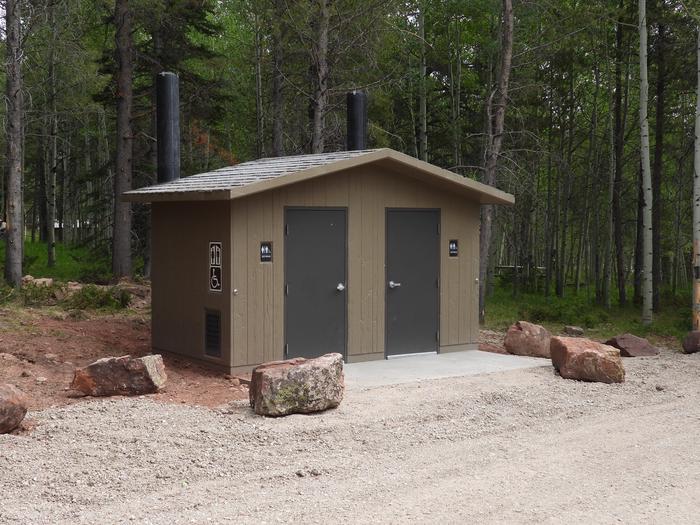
x,y
357,120
168,126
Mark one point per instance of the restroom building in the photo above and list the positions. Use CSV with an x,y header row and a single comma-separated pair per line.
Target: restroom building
x,y
368,253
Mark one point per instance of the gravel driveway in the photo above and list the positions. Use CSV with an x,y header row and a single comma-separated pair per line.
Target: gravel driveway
x,y
521,446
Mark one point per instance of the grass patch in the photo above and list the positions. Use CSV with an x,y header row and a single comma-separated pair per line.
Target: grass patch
x,y
73,263
503,309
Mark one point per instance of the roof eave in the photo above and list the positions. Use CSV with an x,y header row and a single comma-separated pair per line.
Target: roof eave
x,y
176,196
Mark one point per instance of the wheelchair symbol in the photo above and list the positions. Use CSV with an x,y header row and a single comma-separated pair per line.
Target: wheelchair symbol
x,y
215,279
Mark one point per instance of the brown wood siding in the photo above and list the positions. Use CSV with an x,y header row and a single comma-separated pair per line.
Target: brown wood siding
x,y
258,309
180,269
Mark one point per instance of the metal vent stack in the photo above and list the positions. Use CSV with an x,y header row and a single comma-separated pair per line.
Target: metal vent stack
x,y
168,126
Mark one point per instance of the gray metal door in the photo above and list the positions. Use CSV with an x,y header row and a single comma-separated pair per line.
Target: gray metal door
x,y
315,273
412,281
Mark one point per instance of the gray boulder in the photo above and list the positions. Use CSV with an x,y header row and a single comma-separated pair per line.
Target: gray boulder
x,y
297,385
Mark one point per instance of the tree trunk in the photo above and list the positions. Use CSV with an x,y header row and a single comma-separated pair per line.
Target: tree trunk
x,y
320,55
14,245
494,146
646,167
639,241
259,121
456,95
121,240
658,166
278,81
696,204
422,94
619,150
53,145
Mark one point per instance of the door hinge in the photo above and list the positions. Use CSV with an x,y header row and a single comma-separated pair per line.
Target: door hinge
x,y
437,283
438,229
286,289
437,335
286,229
286,350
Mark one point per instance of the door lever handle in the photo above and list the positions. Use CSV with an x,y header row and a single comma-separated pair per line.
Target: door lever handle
x,y
393,285
340,287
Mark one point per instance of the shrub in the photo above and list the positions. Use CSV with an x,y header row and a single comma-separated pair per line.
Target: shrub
x,y
91,297
32,295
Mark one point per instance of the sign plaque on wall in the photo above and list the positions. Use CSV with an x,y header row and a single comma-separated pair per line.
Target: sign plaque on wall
x,y
266,251
454,248
215,274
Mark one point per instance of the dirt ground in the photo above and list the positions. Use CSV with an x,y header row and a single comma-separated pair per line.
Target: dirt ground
x,y
523,446
40,349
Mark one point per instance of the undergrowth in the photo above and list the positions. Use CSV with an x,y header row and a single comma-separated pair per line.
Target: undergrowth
x,y
503,309
89,297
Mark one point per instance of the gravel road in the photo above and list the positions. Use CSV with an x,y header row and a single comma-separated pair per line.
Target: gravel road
x,y
523,446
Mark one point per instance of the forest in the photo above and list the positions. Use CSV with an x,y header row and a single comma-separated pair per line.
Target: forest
x,y
585,111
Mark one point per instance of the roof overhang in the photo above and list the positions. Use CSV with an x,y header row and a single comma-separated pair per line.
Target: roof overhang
x,y
386,158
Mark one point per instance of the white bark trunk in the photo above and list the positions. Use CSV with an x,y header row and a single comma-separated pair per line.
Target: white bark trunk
x,y
696,205
647,296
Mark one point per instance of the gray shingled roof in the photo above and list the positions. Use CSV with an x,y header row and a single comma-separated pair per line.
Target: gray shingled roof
x,y
261,175
247,173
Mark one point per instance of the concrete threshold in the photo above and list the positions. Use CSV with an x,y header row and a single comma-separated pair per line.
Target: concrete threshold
x,y
423,367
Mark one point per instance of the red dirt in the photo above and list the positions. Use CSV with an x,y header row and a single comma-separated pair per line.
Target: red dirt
x,y
39,353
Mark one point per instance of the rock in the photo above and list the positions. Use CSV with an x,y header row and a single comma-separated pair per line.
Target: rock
x,y
574,331
297,385
528,339
43,282
41,380
691,343
586,360
27,279
13,407
124,375
243,380
494,349
632,346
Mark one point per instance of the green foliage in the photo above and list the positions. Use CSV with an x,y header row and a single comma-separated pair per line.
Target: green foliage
x,y
92,297
73,263
503,309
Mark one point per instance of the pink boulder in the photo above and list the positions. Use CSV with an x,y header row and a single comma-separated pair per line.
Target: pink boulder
x,y
494,349
527,339
13,408
691,343
586,360
121,376
630,345
297,385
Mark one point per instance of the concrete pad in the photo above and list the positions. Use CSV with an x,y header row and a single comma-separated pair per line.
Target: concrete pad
x,y
410,368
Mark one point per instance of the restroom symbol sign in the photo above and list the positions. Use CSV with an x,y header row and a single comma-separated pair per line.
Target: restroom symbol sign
x,y
215,254
266,251
215,274
454,248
